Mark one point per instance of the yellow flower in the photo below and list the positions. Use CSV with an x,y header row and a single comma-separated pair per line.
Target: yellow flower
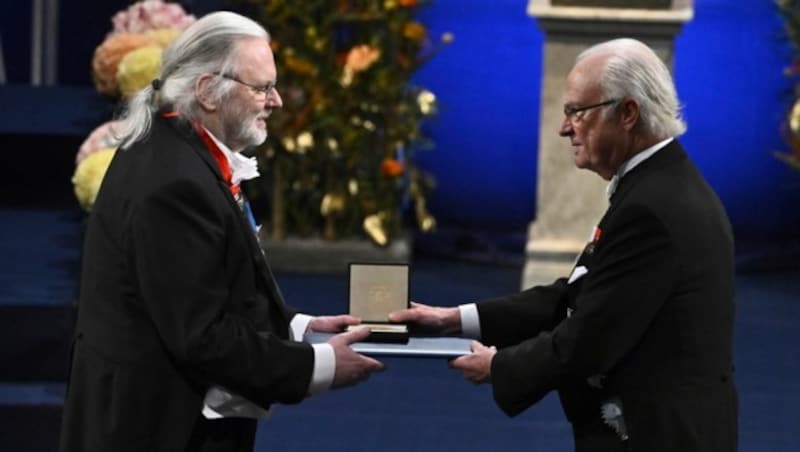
x,y
332,203
352,187
794,118
138,68
289,144
376,229
89,175
163,36
305,140
414,31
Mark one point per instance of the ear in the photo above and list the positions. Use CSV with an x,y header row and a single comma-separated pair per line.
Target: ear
x,y
629,113
202,88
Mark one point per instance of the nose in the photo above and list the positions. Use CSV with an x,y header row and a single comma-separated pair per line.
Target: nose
x,y
274,99
566,128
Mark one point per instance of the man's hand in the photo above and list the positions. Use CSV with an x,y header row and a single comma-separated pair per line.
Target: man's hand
x,y
429,319
477,366
332,324
351,367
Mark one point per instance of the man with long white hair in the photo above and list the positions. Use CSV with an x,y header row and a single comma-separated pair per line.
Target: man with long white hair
x,y
183,338
637,340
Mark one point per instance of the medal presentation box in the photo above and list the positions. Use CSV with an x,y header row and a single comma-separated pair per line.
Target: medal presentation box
x,y
375,291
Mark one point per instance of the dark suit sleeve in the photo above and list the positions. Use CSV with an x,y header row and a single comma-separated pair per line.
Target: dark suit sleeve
x,y
511,319
179,240
634,270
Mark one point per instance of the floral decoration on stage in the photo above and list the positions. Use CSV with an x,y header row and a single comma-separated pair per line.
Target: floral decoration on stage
x,y
125,62
790,10
341,150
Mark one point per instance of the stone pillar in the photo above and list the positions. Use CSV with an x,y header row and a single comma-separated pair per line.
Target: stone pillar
x,y
570,201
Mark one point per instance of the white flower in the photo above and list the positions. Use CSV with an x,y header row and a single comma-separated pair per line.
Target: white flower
x,y
426,101
611,411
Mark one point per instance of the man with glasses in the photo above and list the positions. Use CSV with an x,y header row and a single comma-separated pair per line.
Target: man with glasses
x,y
637,340
183,337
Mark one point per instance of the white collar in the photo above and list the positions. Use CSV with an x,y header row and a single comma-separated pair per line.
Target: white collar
x,y
633,162
242,168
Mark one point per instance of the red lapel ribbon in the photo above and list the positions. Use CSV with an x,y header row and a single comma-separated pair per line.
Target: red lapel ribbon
x,y
222,162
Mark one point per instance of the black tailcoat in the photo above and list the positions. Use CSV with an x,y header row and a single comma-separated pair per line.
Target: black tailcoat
x,y
176,296
653,316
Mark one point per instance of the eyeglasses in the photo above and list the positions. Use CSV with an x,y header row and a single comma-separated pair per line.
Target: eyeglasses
x,y
259,90
576,113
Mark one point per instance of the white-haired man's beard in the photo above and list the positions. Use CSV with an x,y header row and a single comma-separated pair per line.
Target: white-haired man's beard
x,y
244,128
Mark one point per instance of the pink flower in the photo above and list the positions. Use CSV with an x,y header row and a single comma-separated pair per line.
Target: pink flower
x,y
101,137
149,15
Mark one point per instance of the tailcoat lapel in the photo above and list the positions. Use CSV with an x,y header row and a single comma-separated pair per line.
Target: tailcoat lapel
x,y
186,130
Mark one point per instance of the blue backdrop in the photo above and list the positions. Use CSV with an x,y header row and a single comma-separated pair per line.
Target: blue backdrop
x,y
728,70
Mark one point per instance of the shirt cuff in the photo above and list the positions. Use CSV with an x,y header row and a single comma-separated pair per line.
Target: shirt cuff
x,y
298,326
470,321
324,357
324,369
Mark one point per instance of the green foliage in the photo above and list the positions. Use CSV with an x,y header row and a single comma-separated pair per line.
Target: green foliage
x,y
790,11
341,150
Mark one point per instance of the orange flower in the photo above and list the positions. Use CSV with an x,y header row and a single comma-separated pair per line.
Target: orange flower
x,y
107,57
407,3
360,58
414,31
391,167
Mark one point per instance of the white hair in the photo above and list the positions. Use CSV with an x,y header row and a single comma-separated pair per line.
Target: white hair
x,y
207,46
633,70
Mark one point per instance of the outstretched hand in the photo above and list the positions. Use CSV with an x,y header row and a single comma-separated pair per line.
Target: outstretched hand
x,y
477,366
333,323
429,319
351,367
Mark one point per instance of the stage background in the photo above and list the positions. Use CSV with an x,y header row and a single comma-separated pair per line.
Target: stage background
x,y
728,69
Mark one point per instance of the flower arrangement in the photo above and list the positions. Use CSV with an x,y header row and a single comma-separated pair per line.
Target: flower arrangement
x,y
341,150
124,63
790,10
130,56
